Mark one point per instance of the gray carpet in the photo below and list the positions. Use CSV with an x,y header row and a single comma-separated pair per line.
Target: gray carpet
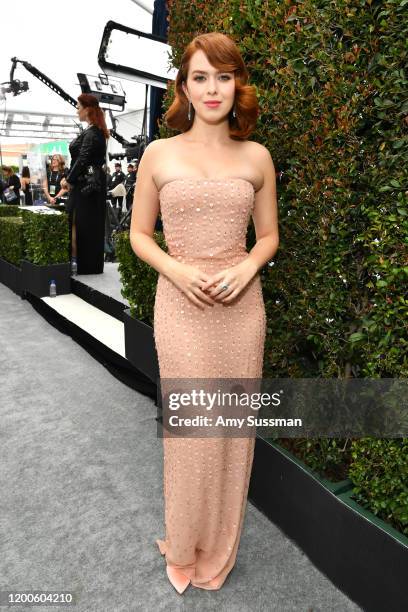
x,y
81,492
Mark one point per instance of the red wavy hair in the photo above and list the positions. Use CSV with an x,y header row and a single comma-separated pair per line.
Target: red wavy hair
x,y
224,55
95,113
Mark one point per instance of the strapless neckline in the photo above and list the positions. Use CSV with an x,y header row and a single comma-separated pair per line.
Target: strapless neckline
x,y
209,180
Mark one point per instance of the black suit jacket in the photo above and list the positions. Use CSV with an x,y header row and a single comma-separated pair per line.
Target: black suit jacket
x,y
89,148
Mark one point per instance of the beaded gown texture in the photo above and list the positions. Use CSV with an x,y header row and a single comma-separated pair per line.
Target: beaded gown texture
x,y
206,479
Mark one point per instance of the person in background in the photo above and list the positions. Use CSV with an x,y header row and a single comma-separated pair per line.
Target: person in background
x,y
130,185
52,184
2,185
116,179
12,184
86,205
26,186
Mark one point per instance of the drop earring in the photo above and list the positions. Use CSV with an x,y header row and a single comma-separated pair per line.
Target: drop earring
x,y
234,114
189,110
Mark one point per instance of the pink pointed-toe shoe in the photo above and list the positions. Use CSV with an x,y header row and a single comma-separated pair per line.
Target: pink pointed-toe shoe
x,y
177,579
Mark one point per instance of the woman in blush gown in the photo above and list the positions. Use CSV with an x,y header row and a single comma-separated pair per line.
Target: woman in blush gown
x,y
209,314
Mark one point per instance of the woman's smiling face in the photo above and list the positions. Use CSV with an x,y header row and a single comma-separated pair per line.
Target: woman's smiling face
x,y
206,83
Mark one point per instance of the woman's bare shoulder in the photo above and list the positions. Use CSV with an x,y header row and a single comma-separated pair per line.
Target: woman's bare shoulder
x,y
157,147
161,142
257,147
260,152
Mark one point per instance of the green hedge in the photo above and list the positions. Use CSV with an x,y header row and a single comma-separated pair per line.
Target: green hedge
x,y
331,81
329,457
8,210
46,238
40,238
377,468
138,279
379,472
11,239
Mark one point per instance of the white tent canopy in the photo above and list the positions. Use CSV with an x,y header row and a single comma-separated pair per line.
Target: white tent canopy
x,y
24,124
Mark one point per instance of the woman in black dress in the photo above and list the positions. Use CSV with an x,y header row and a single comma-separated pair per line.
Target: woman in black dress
x,y
87,210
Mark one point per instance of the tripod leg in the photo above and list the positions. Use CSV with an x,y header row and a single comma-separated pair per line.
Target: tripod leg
x,y
124,221
74,242
109,250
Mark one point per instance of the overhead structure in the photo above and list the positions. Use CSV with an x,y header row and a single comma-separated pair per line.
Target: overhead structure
x,y
31,124
16,87
107,90
120,45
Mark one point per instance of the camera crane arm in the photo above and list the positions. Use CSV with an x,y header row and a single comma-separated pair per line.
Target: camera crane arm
x,y
58,90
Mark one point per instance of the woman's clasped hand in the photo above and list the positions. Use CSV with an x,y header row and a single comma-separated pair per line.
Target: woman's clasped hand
x,y
202,288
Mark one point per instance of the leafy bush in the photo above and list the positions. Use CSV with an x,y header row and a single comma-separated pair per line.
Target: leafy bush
x,y
8,210
331,82
329,457
40,238
46,238
379,472
139,280
11,239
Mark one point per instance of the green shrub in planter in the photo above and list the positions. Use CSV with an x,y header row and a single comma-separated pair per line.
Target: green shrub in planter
x,y
379,472
46,238
329,457
8,210
139,280
11,239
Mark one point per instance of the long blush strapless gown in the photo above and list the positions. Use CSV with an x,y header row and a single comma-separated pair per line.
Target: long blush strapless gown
x,y
206,479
